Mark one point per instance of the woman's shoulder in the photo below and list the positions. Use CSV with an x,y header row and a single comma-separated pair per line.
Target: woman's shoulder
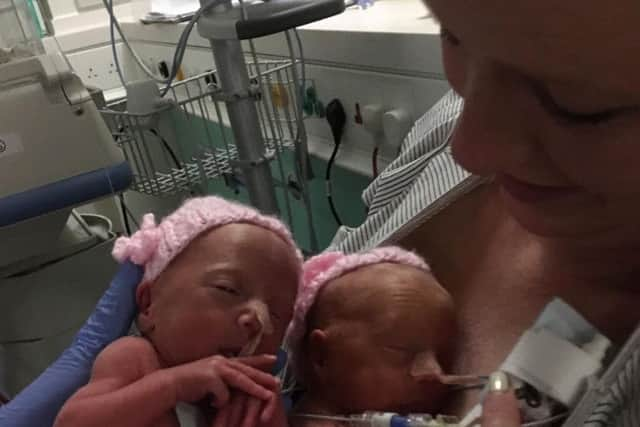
x,y
422,181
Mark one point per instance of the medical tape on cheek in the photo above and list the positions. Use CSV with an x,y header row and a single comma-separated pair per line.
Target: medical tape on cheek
x,y
261,312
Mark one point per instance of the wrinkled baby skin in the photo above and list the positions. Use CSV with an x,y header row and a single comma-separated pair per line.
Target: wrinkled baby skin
x,y
231,286
379,338
229,293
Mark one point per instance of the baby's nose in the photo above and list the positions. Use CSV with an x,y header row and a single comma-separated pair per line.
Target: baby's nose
x,y
250,322
425,367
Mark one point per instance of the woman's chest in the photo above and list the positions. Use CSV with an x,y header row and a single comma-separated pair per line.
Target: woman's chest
x,y
489,265
499,281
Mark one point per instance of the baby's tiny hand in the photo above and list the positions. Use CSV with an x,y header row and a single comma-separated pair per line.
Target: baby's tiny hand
x,y
216,375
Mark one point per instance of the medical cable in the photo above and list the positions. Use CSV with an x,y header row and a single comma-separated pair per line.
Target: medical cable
x,y
304,170
337,119
167,148
184,39
126,214
114,24
374,161
114,50
386,419
125,218
546,421
178,54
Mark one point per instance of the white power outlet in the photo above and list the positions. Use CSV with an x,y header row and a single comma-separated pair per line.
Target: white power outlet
x,y
96,67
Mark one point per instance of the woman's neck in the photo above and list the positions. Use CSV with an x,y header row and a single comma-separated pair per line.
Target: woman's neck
x,y
611,261
599,277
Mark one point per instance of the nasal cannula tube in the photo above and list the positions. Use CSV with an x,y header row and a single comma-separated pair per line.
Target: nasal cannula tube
x,y
388,419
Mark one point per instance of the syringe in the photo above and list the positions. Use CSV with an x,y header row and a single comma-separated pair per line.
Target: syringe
x,y
388,419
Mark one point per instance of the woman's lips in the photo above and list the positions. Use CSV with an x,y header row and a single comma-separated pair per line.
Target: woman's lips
x,y
532,193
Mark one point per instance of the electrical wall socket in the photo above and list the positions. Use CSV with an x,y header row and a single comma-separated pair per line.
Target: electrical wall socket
x,y
96,67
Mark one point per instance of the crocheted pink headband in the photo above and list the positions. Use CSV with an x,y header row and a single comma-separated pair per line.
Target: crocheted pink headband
x,y
155,246
324,268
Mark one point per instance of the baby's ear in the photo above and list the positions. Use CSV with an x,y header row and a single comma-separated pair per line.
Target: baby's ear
x,y
318,350
144,320
143,296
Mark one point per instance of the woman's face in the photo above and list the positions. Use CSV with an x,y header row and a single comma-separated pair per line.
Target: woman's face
x,y
552,107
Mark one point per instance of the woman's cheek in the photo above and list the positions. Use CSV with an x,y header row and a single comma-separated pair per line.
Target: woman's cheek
x,y
600,159
454,60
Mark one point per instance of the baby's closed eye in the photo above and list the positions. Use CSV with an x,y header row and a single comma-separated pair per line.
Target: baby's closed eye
x,y
226,288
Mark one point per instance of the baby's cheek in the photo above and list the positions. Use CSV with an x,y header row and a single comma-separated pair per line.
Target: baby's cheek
x,y
269,344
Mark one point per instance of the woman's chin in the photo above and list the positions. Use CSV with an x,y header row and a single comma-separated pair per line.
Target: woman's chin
x,y
551,221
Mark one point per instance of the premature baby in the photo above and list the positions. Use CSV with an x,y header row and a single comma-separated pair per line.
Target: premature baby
x,y
371,332
219,286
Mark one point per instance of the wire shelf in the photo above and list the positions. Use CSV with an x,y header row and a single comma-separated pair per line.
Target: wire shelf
x,y
190,141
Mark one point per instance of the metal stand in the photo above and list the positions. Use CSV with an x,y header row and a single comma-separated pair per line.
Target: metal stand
x,y
225,26
243,116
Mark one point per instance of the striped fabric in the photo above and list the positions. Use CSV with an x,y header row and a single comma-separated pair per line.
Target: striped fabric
x,y
422,181
614,399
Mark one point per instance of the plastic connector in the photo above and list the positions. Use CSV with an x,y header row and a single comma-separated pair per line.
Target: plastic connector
x,y
552,357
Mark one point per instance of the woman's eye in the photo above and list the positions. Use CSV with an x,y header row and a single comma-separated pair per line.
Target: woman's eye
x,y
577,118
596,118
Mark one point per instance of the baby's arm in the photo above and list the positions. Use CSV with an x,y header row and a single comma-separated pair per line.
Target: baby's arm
x,y
127,388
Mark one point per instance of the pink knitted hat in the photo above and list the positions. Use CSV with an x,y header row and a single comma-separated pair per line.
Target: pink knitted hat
x,y
324,268
154,246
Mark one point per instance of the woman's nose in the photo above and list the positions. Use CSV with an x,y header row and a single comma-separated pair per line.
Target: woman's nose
x,y
496,132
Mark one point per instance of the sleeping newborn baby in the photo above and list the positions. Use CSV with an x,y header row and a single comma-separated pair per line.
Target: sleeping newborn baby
x,y
371,332
219,286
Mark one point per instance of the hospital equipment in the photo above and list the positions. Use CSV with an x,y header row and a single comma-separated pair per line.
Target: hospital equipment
x,y
245,116
39,403
55,151
387,419
557,359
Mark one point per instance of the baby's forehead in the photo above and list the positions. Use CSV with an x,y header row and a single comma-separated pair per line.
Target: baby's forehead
x,y
241,251
384,278
245,237
383,288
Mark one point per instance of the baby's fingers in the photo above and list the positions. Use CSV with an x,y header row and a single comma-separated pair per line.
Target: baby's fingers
x,y
270,408
219,390
263,361
252,413
234,378
238,407
265,379
222,417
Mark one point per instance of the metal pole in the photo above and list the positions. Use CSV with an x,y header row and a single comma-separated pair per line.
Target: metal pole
x,y
243,115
